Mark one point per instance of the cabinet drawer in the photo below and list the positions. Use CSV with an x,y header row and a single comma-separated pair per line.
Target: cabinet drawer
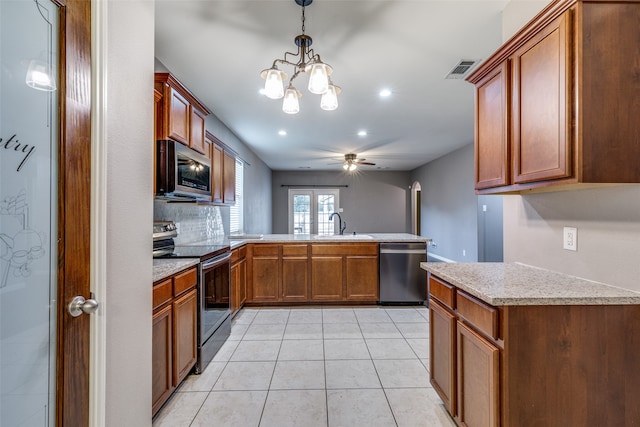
x,y
442,291
265,250
185,281
482,316
345,249
294,250
161,293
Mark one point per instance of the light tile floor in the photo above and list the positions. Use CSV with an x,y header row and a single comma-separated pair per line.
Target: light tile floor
x,y
329,367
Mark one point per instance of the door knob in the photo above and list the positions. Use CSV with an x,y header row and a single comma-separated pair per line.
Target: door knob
x,y
79,305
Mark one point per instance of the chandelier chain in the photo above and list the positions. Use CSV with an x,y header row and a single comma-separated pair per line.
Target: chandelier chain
x,y
303,3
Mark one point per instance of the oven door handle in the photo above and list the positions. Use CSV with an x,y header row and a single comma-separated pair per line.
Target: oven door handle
x,y
219,260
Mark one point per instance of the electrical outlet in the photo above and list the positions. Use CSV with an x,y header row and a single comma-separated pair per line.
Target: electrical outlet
x,y
484,208
570,241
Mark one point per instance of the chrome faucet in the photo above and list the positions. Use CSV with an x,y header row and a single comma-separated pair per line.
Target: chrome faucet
x,y
341,224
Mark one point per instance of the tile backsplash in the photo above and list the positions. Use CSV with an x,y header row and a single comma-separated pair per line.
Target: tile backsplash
x,y
196,223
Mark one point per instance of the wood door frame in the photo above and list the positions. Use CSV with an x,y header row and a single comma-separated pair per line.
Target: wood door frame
x,y
74,211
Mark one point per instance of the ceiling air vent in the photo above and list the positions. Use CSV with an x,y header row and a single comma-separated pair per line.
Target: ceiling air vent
x,y
461,69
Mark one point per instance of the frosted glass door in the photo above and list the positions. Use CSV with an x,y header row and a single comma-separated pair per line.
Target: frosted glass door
x,y
28,179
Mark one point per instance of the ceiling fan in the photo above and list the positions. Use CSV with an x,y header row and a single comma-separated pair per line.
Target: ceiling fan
x,y
351,162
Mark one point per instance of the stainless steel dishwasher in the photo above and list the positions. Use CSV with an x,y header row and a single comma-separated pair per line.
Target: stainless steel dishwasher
x,y
402,281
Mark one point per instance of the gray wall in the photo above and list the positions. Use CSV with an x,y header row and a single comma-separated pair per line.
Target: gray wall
x,y
449,205
490,229
373,202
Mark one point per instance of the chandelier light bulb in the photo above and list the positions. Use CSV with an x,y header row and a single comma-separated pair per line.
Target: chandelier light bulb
x,y
290,105
329,100
273,83
319,78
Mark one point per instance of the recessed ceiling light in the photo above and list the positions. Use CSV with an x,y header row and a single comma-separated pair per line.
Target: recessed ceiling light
x,y
384,93
282,132
362,133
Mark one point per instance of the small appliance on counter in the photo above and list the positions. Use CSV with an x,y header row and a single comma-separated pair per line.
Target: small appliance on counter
x,y
214,304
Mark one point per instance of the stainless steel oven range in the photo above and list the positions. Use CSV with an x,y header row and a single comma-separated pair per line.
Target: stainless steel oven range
x,y
214,314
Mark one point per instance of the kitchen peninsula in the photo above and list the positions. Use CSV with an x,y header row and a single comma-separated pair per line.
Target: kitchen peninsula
x,y
512,344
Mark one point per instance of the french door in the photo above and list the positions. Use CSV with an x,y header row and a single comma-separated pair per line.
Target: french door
x,y
45,155
309,211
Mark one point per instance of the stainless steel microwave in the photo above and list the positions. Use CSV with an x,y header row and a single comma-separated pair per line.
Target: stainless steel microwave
x,y
182,172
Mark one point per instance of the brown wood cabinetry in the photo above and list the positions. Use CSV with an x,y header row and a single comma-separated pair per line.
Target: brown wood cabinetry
x,y
238,279
555,105
223,171
181,114
533,365
174,335
307,273
442,354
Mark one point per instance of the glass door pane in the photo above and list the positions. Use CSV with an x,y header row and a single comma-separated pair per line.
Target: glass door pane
x,y
326,206
302,214
28,221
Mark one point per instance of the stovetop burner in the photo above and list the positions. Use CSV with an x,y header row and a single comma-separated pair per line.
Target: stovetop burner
x,y
203,252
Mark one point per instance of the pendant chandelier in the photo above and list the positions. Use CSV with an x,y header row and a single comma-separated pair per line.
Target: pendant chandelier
x,y
307,62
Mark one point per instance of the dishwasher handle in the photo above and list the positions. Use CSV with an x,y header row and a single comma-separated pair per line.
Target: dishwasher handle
x,y
403,251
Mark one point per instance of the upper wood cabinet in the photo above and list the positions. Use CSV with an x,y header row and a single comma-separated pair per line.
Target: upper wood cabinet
x,y
181,114
556,105
223,171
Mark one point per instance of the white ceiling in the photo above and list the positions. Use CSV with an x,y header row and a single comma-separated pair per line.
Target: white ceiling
x,y
217,48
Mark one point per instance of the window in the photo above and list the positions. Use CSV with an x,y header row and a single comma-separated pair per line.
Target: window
x,y
236,222
309,211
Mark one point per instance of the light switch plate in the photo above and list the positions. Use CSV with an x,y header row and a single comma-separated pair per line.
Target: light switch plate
x,y
570,241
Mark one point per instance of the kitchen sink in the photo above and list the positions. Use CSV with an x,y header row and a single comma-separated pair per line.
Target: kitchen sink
x,y
343,237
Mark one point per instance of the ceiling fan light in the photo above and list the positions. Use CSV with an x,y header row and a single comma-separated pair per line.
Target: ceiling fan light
x,y
290,105
329,100
352,167
273,83
345,166
319,77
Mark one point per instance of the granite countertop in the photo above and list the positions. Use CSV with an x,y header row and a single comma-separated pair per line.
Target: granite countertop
x,y
502,284
166,267
313,238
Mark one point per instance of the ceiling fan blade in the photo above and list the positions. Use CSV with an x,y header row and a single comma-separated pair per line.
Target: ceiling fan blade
x,y
366,163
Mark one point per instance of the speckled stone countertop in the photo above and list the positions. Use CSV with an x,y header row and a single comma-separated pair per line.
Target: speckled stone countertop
x,y
313,238
501,284
163,268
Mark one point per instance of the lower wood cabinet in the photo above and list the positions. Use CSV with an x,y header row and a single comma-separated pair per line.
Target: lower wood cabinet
x,y
442,354
533,365
174,333
307,273
478,384
238,279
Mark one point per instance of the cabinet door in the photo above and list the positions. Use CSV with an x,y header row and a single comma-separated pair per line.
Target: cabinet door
x,y
196,137
161,353
235,287
362,278
264,277
216,173
229,180
295,278
242,283
179,118
542,105
478,383
492,132
326,278
442,353
185,311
